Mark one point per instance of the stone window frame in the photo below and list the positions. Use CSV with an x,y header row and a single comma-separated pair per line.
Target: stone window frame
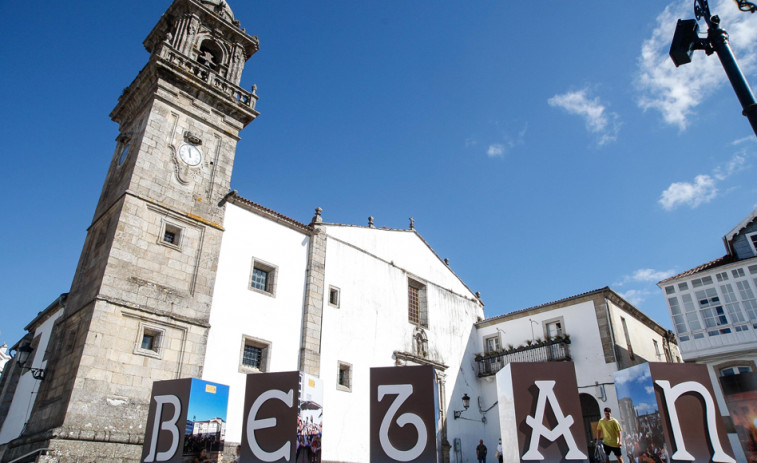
x,y
271,281
334,291
265,359
123,150
492,336
343,382
168,226
159,340
422,292
545,325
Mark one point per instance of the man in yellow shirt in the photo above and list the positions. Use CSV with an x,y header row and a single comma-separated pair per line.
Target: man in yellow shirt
x,y
608,430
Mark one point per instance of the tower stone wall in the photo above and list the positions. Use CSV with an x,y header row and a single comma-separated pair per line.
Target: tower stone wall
x,y
139,306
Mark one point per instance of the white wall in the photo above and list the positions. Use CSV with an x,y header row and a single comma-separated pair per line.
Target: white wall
x,y
580,322
239,311
372,322
25,393
641,336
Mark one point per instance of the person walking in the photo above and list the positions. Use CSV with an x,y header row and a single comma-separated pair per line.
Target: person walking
x,y
481,452
609,433
499,455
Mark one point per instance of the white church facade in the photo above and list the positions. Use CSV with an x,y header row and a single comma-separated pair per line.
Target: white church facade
x,y
181,278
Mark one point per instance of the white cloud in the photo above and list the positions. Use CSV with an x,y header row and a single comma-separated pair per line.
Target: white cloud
x,y
599,121
506,142
650,274
635,296
749,139
736,164
639,373
704,187
701,190
495,150
676,92
645,408
642,275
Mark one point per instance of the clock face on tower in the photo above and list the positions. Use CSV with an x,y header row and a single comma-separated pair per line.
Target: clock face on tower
x,y
190,154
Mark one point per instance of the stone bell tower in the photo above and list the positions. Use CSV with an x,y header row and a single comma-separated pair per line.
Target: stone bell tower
x,y
140,300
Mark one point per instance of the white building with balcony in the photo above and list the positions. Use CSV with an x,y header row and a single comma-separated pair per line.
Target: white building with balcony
x,y
599,331
714,309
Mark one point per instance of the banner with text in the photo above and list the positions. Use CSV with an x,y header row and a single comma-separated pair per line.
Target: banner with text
x,y
269,427
403,410
668,412
540,413
186,418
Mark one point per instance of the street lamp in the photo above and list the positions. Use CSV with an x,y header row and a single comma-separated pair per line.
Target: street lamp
x,y
466,404
686,39
24,352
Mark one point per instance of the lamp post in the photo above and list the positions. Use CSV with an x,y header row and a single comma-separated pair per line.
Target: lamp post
x,y
466,403
686,40
24,352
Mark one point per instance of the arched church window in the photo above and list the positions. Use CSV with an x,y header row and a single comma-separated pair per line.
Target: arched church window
x,y
211,54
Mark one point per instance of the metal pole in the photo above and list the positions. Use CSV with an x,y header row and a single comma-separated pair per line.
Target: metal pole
x,y
718,38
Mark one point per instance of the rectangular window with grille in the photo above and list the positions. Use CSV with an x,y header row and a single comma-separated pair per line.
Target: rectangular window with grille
x,y
260,279
417,311
263,277
254,355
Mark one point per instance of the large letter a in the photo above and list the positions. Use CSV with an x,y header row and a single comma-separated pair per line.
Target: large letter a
x,y
547,393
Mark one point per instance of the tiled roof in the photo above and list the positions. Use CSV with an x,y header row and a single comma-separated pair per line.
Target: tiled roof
x,y
727,259
509,314
235,198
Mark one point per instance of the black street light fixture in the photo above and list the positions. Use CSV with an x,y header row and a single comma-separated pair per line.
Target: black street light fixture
x,y
466,404
24,353
686,39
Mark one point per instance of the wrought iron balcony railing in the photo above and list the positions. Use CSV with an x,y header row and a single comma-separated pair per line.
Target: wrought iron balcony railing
x,y
555,350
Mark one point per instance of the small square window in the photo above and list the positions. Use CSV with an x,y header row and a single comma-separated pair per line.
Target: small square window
x,y
334,296
670,289
254,355
150,340
263,277
170,235
344,377
738,273
753,269
722,276
683,286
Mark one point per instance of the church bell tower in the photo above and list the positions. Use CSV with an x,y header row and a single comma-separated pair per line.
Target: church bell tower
x,y
139,306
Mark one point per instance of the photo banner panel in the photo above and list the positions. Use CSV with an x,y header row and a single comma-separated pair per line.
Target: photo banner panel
x,y
740,392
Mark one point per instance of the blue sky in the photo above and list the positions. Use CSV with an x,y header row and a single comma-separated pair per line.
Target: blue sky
x,y
204,405
636,383
545,149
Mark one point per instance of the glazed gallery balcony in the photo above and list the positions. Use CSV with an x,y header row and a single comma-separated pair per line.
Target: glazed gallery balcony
x,y
555,350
